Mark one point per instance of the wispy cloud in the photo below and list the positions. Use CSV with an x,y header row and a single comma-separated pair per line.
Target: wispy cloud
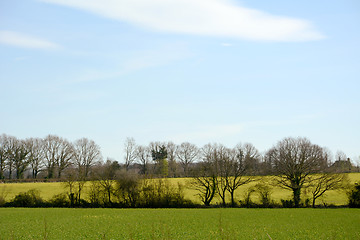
x,y
138,61
221,18
25,41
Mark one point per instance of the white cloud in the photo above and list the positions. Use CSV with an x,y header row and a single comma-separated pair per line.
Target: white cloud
x,y
25,41
221,18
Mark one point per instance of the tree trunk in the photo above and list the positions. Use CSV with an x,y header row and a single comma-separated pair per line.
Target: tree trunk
x,y
296,194
313,202
232,198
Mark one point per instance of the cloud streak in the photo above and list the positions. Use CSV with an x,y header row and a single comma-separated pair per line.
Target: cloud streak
x,y
220,18
25,41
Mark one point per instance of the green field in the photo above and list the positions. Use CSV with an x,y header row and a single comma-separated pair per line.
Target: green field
x,y
52,223
47,190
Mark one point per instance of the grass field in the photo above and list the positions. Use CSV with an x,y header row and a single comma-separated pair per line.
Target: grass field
x,y
47,190
52,223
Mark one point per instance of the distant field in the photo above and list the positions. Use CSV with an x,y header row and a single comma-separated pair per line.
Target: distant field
x,y
52,223
47,190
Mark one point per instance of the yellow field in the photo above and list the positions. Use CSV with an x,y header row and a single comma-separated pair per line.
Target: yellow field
x,y
47,190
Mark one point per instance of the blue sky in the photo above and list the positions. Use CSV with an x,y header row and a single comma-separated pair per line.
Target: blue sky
x,y
182,70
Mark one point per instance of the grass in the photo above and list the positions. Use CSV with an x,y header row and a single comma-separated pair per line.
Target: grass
x,y
52,223
49,189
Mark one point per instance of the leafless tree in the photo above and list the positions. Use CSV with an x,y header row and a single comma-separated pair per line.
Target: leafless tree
x,y
323,182
17,157
143,156
205,176
223,161
3,154
295,159
36,155
86,154
105,176
340,156
187,154
250,158
58,153
130,152
237,169
171,155
75,183
268,163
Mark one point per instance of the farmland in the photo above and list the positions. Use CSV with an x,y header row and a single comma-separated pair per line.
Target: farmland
x,y
48,190
50,223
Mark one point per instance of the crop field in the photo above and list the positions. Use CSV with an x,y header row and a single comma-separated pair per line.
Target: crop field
x,y
52,223
48,190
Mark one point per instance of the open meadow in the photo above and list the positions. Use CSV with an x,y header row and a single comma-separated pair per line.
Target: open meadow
x,y
216,223
49,189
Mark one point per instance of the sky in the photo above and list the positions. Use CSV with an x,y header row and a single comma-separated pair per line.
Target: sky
x,y
201,71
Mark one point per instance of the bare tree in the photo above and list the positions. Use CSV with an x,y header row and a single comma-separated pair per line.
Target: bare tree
x,y
130,152
187,154
205,183
268,163
143,156
321,183
237,169
17,157
171,156
75,182
105,176
86,154
340,156
205,176
36,155
8,143
223,162
250,158
294,160
3,154
58,153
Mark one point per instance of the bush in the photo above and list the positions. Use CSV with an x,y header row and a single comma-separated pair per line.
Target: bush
x,y
247,202
30,198
59,200
160,193
96,196
354,196
128,189
287,203
264,192
3,194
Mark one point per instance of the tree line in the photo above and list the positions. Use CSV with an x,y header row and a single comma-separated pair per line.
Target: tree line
x,y
50,157
296,164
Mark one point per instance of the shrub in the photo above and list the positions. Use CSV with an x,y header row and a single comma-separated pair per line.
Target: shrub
x,y
96,196
287,203
30,198
264,192
128,189
354,196
59,200
247,202
3,194
160,193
